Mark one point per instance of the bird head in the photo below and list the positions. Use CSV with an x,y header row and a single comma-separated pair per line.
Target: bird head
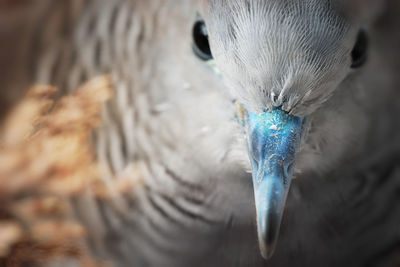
x,y
281,61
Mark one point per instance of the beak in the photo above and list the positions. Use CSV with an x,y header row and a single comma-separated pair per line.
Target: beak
x,y
273,141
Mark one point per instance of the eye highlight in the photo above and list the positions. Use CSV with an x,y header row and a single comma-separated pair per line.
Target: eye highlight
x,y
201,46
359,54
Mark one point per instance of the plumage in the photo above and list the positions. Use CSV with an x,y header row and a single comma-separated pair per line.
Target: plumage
x,y
176,120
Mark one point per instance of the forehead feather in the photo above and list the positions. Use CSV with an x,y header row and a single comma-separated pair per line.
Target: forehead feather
x,y
273,47
318,24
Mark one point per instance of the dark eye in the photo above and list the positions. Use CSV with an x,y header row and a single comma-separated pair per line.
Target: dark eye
x,y
201,46
359,53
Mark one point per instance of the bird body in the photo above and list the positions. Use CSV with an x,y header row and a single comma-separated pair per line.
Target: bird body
x,y
177,121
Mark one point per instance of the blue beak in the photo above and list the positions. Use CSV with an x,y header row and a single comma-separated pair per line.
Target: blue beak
x,y
273,140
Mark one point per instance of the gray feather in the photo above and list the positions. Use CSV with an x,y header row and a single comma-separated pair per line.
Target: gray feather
x,y
175,119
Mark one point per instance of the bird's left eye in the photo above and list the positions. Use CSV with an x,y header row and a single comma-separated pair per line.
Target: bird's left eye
x,y
201,46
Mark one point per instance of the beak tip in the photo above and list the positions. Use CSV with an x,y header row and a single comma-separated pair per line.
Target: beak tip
x,y
267,250
268,233
270,198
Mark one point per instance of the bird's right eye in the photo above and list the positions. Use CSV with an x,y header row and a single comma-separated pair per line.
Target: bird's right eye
x,y
201,46
359,53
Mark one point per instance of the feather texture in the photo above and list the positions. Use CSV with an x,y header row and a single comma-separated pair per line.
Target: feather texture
x,y
175,118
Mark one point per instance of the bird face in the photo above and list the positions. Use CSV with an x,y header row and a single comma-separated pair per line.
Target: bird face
x,y
281,60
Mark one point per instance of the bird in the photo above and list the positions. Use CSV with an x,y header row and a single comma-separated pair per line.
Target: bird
x,y
266,131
